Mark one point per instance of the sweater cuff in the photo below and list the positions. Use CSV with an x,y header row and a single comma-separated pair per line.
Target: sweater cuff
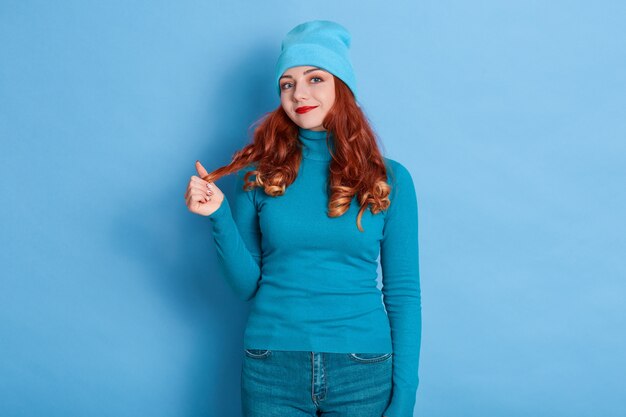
x,y
221,211
402,403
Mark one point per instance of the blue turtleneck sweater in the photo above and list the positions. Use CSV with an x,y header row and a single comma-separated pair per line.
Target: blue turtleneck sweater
x,y
312,278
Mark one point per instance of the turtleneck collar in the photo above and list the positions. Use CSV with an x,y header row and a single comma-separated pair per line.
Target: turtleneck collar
x,y
314,144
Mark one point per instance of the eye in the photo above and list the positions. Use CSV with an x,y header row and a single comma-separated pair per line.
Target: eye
x,y
286,85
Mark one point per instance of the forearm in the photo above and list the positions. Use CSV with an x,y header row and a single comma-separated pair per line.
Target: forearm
x,y
405,320
238,265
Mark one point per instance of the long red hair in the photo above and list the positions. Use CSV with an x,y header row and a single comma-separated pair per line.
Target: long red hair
x,y
356,168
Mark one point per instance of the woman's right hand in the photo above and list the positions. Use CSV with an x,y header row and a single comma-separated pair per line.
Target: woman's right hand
x,y
203,197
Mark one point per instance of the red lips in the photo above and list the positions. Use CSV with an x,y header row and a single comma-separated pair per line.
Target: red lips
x,y
304,109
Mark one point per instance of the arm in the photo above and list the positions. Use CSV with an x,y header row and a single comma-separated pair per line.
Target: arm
x,y
238,240
399,259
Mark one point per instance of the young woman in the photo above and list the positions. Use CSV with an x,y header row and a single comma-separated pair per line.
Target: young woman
x,y
315,205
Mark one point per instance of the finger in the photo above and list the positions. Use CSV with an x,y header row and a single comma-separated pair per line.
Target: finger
x,y
189,191
198,191
201,171
196,198
197,180
193,190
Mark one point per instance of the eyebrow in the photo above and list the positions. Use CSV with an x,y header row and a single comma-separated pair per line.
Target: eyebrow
x,y
304,73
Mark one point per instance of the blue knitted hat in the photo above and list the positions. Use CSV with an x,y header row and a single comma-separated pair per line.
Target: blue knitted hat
x,y
319,43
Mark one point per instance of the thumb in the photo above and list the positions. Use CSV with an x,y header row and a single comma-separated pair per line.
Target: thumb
x,y
201,171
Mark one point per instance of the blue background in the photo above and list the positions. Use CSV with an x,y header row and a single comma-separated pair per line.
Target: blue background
x,y
509,115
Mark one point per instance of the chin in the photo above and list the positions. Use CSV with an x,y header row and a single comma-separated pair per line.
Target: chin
x,y
306,123
309,126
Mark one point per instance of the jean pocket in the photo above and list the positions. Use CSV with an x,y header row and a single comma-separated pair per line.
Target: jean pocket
x,y
369,357
258,353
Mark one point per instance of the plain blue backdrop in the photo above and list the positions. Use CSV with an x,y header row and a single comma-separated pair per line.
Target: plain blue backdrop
x,y
509,115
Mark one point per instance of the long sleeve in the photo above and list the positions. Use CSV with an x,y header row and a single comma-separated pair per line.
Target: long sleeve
x,y
399,260
237,238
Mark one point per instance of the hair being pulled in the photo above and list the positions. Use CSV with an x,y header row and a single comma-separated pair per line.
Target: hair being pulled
x,y
356,168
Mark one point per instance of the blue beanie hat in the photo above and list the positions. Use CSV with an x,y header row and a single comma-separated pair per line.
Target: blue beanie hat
x,y
319,43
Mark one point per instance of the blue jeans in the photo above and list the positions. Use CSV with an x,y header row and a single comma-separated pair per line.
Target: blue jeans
x,y
278,383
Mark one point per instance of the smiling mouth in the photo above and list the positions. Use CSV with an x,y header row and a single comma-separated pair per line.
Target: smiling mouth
x,y
301,110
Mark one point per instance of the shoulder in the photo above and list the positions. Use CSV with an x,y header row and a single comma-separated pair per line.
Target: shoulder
x,y
402,186
397,173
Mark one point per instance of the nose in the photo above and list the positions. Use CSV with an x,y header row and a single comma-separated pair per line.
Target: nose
x,y
301,91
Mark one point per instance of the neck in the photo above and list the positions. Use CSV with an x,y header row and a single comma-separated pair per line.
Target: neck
x,y
314,144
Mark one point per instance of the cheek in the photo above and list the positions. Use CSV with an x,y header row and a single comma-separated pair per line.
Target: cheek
x,y
329,96
329,100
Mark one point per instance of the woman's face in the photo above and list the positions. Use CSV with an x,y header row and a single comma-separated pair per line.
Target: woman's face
x,y
307,87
